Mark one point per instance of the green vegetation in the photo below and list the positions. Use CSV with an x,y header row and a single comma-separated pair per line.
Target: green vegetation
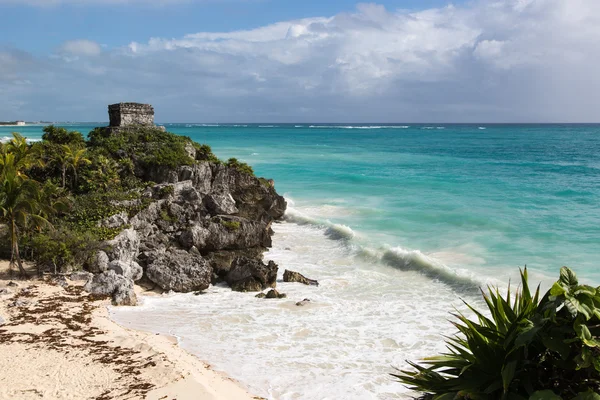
x,y
527,348
166,191
231,225
150,147
55,193
240,166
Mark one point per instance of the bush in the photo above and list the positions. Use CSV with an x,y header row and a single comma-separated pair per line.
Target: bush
x,y
60,136
527,349
149,146
204,153
240,166
63,250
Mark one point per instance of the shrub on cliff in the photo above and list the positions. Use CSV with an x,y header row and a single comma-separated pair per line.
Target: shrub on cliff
x,y
528,348
149,146
240,166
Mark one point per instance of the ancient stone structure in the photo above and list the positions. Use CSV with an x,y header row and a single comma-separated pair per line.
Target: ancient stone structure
x,y
130,114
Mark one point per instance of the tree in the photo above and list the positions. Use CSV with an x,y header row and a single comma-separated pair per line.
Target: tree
x,y
75,158
19,207
21,204
60,136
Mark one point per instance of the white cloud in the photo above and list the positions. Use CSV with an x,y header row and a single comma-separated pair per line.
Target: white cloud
x,y
80,47
491,60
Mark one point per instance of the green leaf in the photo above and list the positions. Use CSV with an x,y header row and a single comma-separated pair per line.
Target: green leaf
x,y
589,395
508,373
568,277
545,395
556,343
557,290
582,331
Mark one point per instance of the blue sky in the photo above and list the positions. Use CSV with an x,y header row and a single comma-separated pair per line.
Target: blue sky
x,y
40,29
302,61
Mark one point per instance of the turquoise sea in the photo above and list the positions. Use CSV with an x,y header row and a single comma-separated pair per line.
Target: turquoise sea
x,y
398,222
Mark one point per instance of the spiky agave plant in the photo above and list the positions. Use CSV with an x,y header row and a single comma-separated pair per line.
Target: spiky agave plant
x,y
489,358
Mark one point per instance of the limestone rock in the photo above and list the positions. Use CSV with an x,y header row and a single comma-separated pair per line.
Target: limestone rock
x,y
303,302
291,276
131,270
80,276
274,294
19,303
221,203
118,287
99,263
248,275
4,291
179,270
116,221
125,246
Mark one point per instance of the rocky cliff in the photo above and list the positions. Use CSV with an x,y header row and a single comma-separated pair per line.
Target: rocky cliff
x,y
202,223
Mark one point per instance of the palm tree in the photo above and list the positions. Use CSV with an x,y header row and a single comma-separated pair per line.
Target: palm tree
x,y
21,204
19,208
16,154
75,157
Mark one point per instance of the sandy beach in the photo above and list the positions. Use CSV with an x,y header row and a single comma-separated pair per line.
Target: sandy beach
x,y
57,342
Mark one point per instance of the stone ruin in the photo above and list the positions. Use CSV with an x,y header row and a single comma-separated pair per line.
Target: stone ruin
x,y
130,114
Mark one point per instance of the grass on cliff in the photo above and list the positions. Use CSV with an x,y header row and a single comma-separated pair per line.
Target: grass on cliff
x,y
525,346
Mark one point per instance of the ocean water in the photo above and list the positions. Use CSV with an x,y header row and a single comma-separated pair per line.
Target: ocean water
x,y
398,223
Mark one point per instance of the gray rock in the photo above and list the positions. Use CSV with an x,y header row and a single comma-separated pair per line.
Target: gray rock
x,y
195,236
58,280
118,287
116,221
248,275
291,276
80,276
179,270
13,284
100,262
303,302
125,246
131,270
274,294
4,291
19,303
2,321
221,204
260,296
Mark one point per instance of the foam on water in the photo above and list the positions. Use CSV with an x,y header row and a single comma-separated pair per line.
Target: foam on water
x,y
362,320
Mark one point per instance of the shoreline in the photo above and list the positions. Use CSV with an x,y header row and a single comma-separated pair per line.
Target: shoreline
x,y
58,342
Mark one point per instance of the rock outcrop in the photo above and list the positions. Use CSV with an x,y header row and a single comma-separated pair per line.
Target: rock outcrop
x,y
178,270
118,287
291,276
203,223
251,275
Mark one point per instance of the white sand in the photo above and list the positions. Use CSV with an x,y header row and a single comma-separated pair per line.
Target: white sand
x,y
62,345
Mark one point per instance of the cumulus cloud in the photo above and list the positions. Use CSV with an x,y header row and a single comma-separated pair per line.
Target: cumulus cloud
x,y
490,60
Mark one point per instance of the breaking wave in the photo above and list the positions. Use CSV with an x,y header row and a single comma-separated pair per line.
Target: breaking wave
x,y
396,257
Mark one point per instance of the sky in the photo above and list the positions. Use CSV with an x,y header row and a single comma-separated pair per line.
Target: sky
x,y
302,60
